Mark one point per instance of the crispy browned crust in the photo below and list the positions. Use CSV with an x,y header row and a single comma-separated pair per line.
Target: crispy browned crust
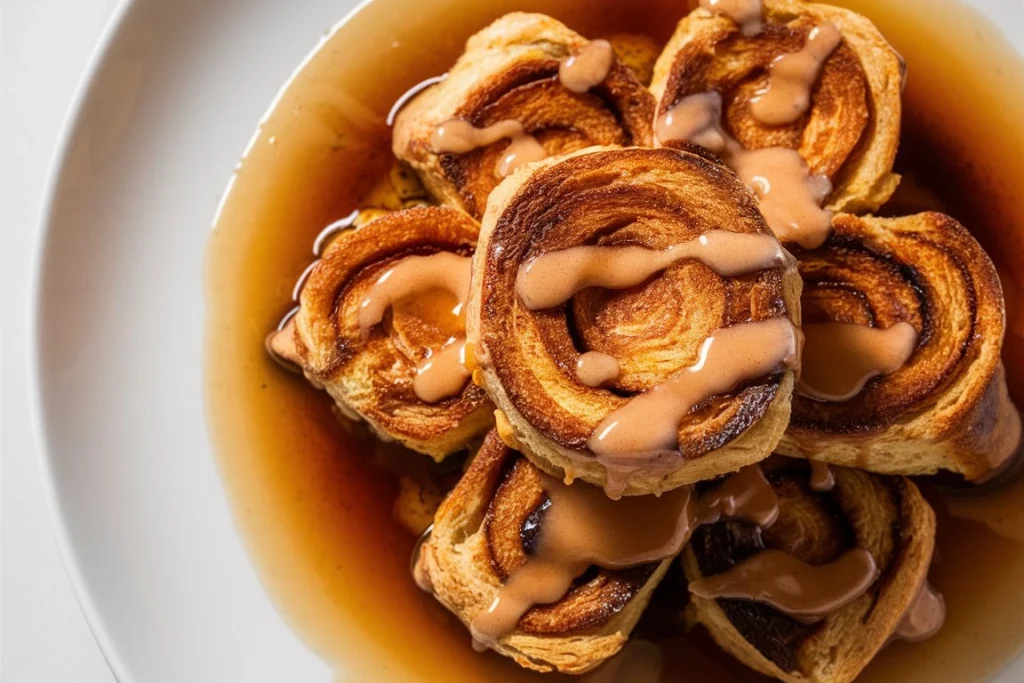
x,y
482,533
948,407
647,197
372,379
510,71
886,516
851,131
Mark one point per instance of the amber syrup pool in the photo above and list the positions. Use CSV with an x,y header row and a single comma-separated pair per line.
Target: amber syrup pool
x,y
314,509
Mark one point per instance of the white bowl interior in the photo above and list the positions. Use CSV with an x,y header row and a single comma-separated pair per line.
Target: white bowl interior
x,y
161,573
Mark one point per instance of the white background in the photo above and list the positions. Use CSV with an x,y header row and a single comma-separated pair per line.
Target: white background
x,y
44,48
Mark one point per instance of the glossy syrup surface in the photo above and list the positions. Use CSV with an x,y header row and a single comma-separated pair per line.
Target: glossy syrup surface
x,y
309,499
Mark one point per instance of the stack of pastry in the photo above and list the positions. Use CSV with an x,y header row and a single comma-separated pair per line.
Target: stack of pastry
x,y
648,292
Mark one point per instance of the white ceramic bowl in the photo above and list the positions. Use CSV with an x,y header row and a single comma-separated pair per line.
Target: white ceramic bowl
x,y
160,121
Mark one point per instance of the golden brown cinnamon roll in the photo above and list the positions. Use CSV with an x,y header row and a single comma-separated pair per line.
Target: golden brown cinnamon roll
x,y
633,318
904,323
521,89
492,527
861,551
848,131
380,326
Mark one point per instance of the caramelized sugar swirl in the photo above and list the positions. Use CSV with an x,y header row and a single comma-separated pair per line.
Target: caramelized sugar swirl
x,y
850,130
370,369
487,529
949,397
885,516
511,525
510,72
653,199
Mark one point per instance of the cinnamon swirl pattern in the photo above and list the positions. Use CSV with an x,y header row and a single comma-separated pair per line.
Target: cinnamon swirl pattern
x,y
680,330
489,530
814,595
526,87
904,322
659,259
813,78
381,327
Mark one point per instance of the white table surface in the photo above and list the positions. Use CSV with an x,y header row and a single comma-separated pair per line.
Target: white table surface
x,y
44,47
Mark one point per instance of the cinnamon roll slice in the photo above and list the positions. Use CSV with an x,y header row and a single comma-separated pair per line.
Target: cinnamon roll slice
x,y
526,87
835,577
381,327
633,319
904,322
519,557
817,79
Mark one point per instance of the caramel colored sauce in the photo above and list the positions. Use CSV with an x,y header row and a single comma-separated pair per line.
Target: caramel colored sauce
x,y
316,511
438,307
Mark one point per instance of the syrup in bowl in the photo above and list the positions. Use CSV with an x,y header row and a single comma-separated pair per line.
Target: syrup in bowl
x,y
312,499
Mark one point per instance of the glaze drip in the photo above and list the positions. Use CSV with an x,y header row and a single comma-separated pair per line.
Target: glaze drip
x,y
746,13
460,137
925,617
822,478
791,77
443,373
840,358
746,495
647,424
581,527
697,119
587,69
595,368
555,277
803,591
411,276
789,195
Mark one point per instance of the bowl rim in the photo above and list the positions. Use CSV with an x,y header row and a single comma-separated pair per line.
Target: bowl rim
x,y
69,130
